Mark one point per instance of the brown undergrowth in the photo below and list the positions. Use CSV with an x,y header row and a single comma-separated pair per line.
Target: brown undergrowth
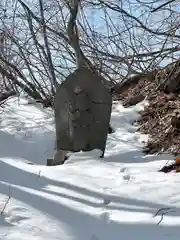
x,y
156,119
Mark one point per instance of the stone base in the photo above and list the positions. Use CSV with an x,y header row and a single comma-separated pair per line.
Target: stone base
x,y
50,162
55,162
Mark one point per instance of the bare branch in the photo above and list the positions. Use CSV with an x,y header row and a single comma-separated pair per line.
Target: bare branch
x,y
50,63
163,5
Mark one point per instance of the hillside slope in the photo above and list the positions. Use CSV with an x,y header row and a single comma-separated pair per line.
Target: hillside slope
x,y
87,198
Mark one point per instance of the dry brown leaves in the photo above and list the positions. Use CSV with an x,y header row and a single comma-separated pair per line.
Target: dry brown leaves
x,y
155,120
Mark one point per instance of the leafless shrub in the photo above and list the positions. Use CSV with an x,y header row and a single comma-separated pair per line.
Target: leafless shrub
x,y
120,38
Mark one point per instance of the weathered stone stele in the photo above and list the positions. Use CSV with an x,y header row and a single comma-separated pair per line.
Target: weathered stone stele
x,y
82,112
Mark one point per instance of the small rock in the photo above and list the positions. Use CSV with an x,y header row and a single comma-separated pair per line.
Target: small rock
x,y
134,100
106,201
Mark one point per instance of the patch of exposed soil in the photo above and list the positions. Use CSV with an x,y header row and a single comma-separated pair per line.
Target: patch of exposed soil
x,y
160,119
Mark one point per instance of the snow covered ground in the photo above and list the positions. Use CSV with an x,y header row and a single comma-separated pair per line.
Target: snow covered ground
x,y
87,198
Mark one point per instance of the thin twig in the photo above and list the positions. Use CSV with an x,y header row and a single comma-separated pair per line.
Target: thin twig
x,y
162,214
7,201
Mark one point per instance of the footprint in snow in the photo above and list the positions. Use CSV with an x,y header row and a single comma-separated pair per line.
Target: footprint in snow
x,y
122,170
106,200
17,219
127,177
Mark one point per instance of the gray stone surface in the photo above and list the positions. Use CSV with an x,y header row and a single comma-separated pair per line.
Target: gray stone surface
x,y
82,112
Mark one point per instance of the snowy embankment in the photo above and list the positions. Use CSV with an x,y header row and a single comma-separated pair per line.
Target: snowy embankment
x,y
87,198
